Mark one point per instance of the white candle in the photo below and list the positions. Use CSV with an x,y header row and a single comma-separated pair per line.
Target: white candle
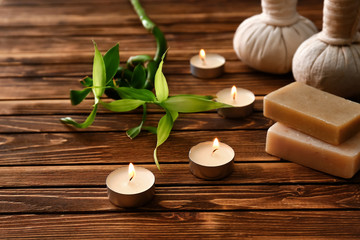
x,y
210,162
207,65
241,99
129,187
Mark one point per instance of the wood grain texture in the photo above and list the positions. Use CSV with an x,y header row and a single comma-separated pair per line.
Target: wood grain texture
x,y
122,122
189,225
52,176
170,175
194,198
116,147
63,106
86,57
56,44
117,30
81,70
90,13
58,87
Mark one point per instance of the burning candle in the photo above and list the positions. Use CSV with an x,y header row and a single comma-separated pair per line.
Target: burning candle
x,y
211,160
130,187
241,99
209,65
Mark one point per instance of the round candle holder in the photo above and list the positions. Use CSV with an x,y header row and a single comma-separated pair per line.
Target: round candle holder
x,y
129,194
211,67
243,104
207,165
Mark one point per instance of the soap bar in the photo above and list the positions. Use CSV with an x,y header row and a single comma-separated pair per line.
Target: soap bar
x,y
287,143
317,113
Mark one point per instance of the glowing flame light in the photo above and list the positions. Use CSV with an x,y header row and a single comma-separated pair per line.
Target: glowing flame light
x,y
215,145
233,93
131,171
202,55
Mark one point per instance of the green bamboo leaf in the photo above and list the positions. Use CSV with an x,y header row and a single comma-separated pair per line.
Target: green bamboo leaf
x,y
161,87
189,104
209,97
150,129
123,105
139,77
133,93
163,131
127,74
77,96
164,128
87,82
119,71
133,132
156,159
99,74
89,120
110,84
123,83
174,115
111,61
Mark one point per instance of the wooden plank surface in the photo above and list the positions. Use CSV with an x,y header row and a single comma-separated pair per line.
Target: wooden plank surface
x,y
122,122
58,87
43,68
195,198
189,225
170,175
52,176
63,106
114,147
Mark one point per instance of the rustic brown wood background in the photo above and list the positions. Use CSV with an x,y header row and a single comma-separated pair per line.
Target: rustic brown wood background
x,y
52,177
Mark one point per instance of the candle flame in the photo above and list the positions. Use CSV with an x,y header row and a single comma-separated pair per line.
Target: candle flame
x,y
215,145
233,92
202,55
131,171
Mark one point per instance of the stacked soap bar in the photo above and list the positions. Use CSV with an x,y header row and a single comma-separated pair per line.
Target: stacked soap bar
x,y
315,129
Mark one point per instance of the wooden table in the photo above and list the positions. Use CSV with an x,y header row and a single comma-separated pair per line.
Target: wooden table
x,y
52,176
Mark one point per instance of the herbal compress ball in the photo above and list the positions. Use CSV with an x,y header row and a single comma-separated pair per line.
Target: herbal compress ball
x,y
268,41
330,60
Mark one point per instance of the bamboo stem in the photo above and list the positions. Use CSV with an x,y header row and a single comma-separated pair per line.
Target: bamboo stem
x,y
152,28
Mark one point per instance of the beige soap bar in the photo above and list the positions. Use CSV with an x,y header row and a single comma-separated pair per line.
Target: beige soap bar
x,y
320,114
342,160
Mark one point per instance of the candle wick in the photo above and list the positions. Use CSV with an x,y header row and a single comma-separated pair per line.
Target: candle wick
x,y
131,178
214,151
203,61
